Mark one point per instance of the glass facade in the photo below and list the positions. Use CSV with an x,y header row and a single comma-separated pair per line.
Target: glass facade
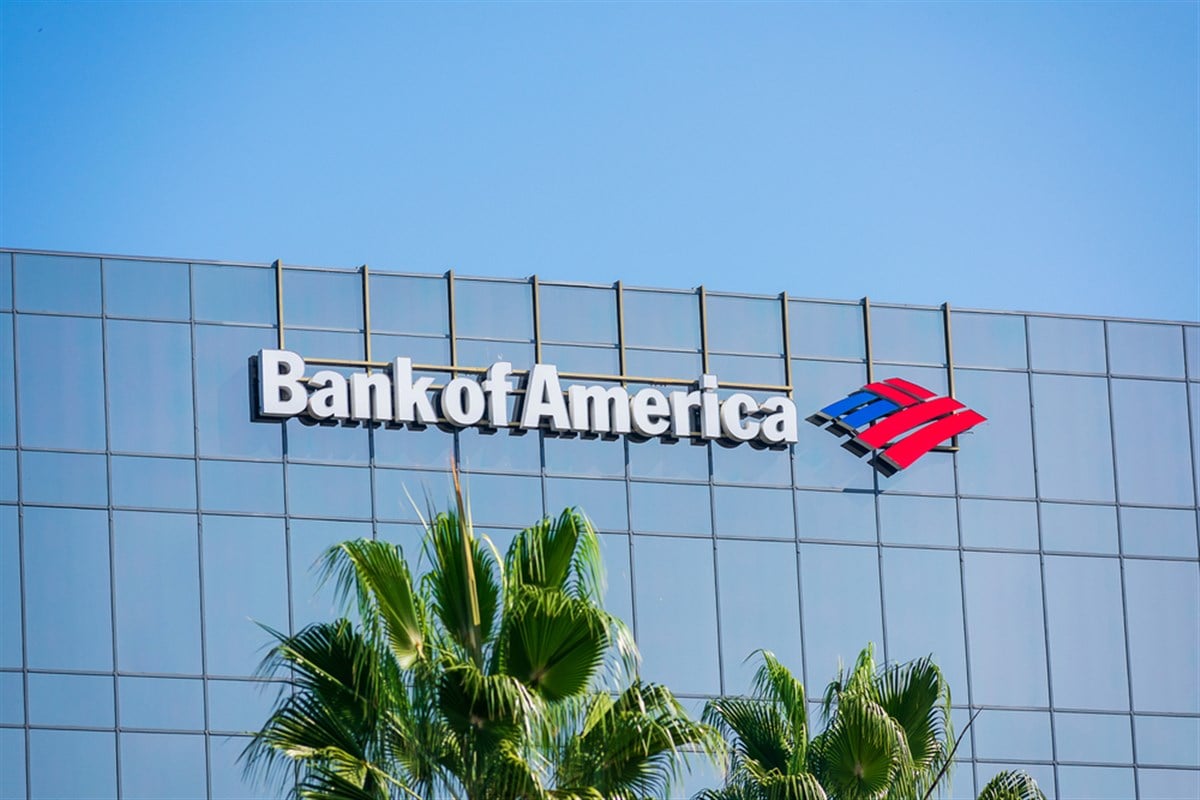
x,y
1050,560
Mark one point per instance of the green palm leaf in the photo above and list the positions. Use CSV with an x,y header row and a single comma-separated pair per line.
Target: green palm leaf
x,y
553,643
1011,785
858,756
465,592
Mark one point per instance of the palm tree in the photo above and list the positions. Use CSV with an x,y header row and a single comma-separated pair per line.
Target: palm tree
x,y
887,736
487,679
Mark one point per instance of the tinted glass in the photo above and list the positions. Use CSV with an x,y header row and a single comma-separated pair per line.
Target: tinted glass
x,y
325,344
756,513
173,703
241,486
150,387
845,516
347,444
93,760
161,766
315,491
988,340
482,353
312,599
406,494
659,319
428,447
918,520
757,581
1096,783
1149,350
1168,784
504,499
1078,528
747,369
154,482
845,578
409,305
999,523
1067,345
64,478
225,404
1087,639
602,501
493,309
62,383
662,364
1164,654
504,450
157,576
1004,611
1192,345
6,281
1173,741
997,457
584,456
322,299
12,698
8,391
240,706
826,329
157,289
10,588
669,508
909,335
71,700
1159,455
1013,734
656,458
65,284
229,782
1074,441
745,464
618,593
744,324
67,548
577,314
8,475
1093,737
233,294
1158,532
421,349
589,360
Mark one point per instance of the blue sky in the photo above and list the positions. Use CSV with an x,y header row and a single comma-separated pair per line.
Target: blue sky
x,y
1034,156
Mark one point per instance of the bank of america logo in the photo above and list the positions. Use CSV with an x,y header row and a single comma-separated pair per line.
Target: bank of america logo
x,y
897,420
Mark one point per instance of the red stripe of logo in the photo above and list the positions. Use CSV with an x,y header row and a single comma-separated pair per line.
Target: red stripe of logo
x,y
911,447
884,431
919,392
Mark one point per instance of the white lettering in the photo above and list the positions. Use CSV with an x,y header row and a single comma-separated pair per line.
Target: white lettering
x,y
710,418
462,402
544,400
734,422
497,387
649,412
371,396
410,400
596,409
330,398
682,404
779,426
281,390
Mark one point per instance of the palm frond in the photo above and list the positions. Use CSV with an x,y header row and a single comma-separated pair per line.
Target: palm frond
x,y
1011,785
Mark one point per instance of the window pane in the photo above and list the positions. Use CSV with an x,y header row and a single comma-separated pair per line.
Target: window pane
x,y
322,299
229,782
234,294
762,467
240,706
158,592
156,289
1192,346
8,392
245,582
908,335
65,478
918,520
1075,528
999,523
662,364
932,473
820,461
65,284
759,608
656,458
1087,637
659,319
1096,783
71,700
757,513
744,324
62,383
1159,449
6,281
1012,734
602,501
12,755
1174,741
325,344
618,594
349,444
504,499
315,491
1164,655
590,360
832,638
225,404
154,482
241,486
12,699
1158,532
174,703
577,314
1136,348
10,588
483,353
1067,345
1168,784
150,387
493,309
312,602
747,369
409,305
677,625
8,475
404,494
826,329
669,508
421,349
845,516
92,758
584,456
988,340
162,766
997,457
428,447
923,605
1074,440
67,548
1093,737
1004,611
507,450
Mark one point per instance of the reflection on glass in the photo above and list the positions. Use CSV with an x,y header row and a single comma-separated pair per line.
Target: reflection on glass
x,y
347,444
747,464
744,324
504,499
830,330
821,463
844,578
240,706
1173,741
1164,655
658,458
747,369
8,391
174,703
1093,737
150,387
229,782
162,766
1087,641
407,494
493,309
669,508
1004,604
6,281
844,516
421,349
484,353
1007,524
234,294
8,476
409,304
577,314
1158,532
424,447
1079,528
1169,784
1012,734
589,360
917,520
64,478
57,352
322,299
662,364
618,591
1074,441
662,319
510,449
63,284
908,335
12,755
241,486
1191,334
154,482
92,757
1096,783
759,608
757,513
988,340
157,289
325,344
577,455
310,539
10,588
602,501
997,457
1146,349
1067,345
316,491
12,698
71,700
1160,463
224,400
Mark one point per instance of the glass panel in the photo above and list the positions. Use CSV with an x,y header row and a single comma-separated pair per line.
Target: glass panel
x,y
1096,783
325,344
422,350
67,547
64,284
1093,737
1043,774
1164,654
931,474
311,601
1087,637
618,593
761,467
225,405
156,289
504,499
429,447
8,392
240,706
12,755
409,304
1073,528
157,573
154,482
845,516
677,615
71,700
918,520
12,699
150,387
584,456
241,486
670,508
590,360
491,309
1173,741
10,588
997,457
347,444
6,281
1160,450
837,638
233,294
663,364
757,513
577,314
229,781
821,463
999,523
245,583
322,299
315,491
759,608
1136,348
162,766
744,324
1013,734
1067,345
483,353
603,501
405,494
66,478
92,758
826,329
1158,532
62,383
1004,612
1192,346
988,340
8,475
1168,784
656,458
1074,455
923,608
659,319
508,450
816,384
747,369
175,703
908,335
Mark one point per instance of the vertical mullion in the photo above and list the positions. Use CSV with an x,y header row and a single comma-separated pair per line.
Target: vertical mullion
x,y
787,343
866,312
21,527
703,329
620,289
278,265
112,555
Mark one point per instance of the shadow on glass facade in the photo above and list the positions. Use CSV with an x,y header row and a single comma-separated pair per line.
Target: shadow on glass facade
x,y
1048,560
